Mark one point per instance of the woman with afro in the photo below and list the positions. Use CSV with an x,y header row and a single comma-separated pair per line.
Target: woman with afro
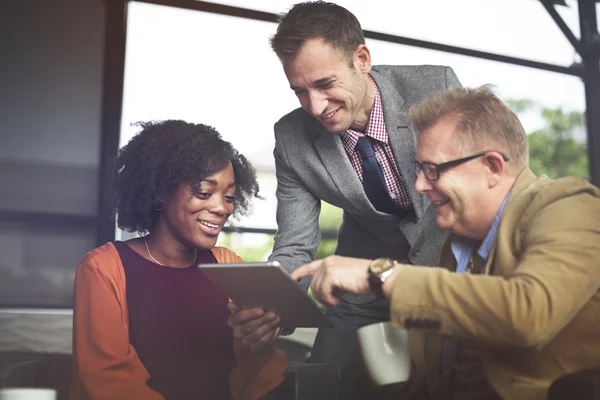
x,y
147,323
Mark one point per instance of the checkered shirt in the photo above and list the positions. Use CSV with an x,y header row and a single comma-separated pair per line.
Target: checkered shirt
x,y
376,130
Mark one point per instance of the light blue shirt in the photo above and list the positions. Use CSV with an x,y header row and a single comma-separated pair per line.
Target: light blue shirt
x,y
462,248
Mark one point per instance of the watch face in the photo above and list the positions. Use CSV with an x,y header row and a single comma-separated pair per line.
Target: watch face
x,y
381,265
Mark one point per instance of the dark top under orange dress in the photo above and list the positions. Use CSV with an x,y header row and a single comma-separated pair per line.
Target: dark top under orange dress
x,y
178,326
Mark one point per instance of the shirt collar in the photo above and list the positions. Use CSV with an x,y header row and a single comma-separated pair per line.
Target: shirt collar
x,y
462,247
486,245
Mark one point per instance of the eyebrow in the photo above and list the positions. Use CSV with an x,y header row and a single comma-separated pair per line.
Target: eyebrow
x,y
318,82
324,80
214,183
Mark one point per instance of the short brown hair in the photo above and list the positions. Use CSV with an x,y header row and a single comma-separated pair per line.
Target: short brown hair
x,y
482,118
337,26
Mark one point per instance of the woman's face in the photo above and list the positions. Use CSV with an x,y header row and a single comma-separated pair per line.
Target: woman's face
x,y
196,215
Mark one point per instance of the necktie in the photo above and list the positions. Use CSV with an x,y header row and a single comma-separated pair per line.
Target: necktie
x,y
373,180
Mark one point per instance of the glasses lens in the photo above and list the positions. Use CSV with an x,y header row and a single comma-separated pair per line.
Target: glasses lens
x,y
430,171
418,168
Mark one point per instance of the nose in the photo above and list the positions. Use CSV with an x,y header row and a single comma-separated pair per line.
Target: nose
x,y
422,184
317,102
220,206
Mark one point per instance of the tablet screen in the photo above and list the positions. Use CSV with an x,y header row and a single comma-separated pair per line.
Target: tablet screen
x,y
267,285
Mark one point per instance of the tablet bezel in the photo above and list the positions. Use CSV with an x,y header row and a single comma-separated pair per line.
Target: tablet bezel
x,y
267,285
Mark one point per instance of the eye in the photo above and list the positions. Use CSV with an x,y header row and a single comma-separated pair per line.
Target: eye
x,y
326,85
417,168
230,199
429,169
202,195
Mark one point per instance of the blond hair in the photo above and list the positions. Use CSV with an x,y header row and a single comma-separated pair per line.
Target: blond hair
x,y
483,121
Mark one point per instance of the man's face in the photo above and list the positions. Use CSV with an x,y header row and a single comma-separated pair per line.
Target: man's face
x,y
332,91
461,193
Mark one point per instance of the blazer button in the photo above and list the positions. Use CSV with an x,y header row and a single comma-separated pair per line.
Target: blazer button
x,y
412,255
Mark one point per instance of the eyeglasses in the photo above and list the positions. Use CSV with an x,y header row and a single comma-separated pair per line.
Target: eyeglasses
x,y
432,171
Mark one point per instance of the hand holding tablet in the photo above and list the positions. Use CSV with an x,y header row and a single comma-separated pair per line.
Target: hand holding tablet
x,y
268,286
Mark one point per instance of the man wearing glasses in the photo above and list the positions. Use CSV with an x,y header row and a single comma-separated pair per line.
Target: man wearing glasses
x,y
515,304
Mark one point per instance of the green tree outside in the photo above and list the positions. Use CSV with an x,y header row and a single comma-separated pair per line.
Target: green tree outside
x,y
553,150
329,220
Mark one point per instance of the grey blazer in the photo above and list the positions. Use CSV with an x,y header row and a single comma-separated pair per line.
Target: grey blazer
x,y
312,165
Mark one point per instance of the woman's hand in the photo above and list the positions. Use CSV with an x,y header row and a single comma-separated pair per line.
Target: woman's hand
x,y
253,326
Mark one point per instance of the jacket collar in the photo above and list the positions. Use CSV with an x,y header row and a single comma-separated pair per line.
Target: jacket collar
x,y
524,179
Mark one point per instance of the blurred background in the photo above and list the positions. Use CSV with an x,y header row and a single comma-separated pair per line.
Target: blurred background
x,y
75,75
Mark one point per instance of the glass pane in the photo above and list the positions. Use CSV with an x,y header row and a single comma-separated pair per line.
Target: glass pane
x,y
232,81
50,97
258,246
38,263
515,28
251,247
51,102
511,81
555,103
220,70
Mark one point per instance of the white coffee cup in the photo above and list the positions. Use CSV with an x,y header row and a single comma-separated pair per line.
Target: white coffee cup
x,y
27,394
386,353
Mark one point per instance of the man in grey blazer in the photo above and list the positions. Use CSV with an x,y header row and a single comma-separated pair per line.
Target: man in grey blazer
x,y
324,56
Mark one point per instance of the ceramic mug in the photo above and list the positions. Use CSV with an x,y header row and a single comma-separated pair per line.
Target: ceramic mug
x,y
386,353
27,394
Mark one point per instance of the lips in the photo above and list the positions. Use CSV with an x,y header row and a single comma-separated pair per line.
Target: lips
x,y
211,228
329,116
440,202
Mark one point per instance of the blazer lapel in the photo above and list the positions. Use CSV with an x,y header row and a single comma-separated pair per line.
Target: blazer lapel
x,y
338,166
525,178
401,137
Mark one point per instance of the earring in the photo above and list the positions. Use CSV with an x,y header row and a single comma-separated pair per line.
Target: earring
x,y
159,205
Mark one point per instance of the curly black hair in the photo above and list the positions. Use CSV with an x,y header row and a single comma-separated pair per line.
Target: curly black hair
x,y
165,154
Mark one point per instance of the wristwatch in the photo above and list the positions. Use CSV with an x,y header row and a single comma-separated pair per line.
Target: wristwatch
x,y
379,270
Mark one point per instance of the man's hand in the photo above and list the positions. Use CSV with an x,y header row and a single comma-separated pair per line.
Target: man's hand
x,y
253,326
335,274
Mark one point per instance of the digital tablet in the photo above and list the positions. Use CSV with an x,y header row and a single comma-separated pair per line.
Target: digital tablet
x,y
267,285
